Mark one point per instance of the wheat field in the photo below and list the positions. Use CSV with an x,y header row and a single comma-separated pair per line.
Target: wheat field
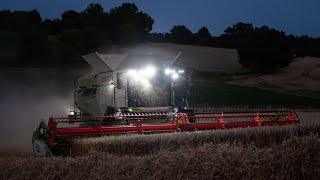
x,y
287,152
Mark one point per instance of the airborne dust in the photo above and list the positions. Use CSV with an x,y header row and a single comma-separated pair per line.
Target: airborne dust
x,y
26,97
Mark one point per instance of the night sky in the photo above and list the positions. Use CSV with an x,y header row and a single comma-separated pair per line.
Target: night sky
x,y
298,17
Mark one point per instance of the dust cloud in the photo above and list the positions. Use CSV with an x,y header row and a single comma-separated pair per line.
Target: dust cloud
x,y
26,97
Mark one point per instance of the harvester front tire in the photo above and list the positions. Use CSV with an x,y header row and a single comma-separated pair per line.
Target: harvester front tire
x,y
40,148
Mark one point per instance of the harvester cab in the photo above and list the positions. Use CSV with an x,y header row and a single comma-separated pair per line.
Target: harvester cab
x,y
129,84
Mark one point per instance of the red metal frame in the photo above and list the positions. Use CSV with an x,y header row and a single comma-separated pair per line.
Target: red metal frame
x,y
179,122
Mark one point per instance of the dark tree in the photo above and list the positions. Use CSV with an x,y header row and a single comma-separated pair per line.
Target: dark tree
x,y
236,35
203,37
34,17
128,24
181,35
239,29
307,46
6,19
158,37
32,46
94,9
91,38
52,27
71,20
266,50
93,15
19,20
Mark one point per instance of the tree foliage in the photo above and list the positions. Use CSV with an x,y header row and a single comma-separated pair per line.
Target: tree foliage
x,y
129,24
203,36
236,36
239,30
64,40
181,35
265,50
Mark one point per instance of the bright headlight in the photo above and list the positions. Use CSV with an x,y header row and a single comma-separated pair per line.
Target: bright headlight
x,y
181,71
132,72
136,77
167,71
174,76
149,71
145,82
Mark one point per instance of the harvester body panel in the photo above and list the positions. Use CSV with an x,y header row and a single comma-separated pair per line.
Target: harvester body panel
x,y
118,100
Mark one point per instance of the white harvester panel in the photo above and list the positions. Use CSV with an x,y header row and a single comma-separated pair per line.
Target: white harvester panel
x,y
134,80
97,63
105,91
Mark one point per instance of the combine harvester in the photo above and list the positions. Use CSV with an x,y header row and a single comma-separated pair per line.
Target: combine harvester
x,y
151,99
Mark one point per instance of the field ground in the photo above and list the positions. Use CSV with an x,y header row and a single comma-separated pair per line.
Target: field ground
x,y
301,77
221,94
287,152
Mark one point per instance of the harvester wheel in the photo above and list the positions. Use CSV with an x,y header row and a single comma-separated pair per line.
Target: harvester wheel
x,y
40,148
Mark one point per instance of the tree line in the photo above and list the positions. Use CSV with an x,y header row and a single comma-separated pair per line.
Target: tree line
x,y
260,49
28,40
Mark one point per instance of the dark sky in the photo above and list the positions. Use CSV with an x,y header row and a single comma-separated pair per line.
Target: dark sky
x,y
298,17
